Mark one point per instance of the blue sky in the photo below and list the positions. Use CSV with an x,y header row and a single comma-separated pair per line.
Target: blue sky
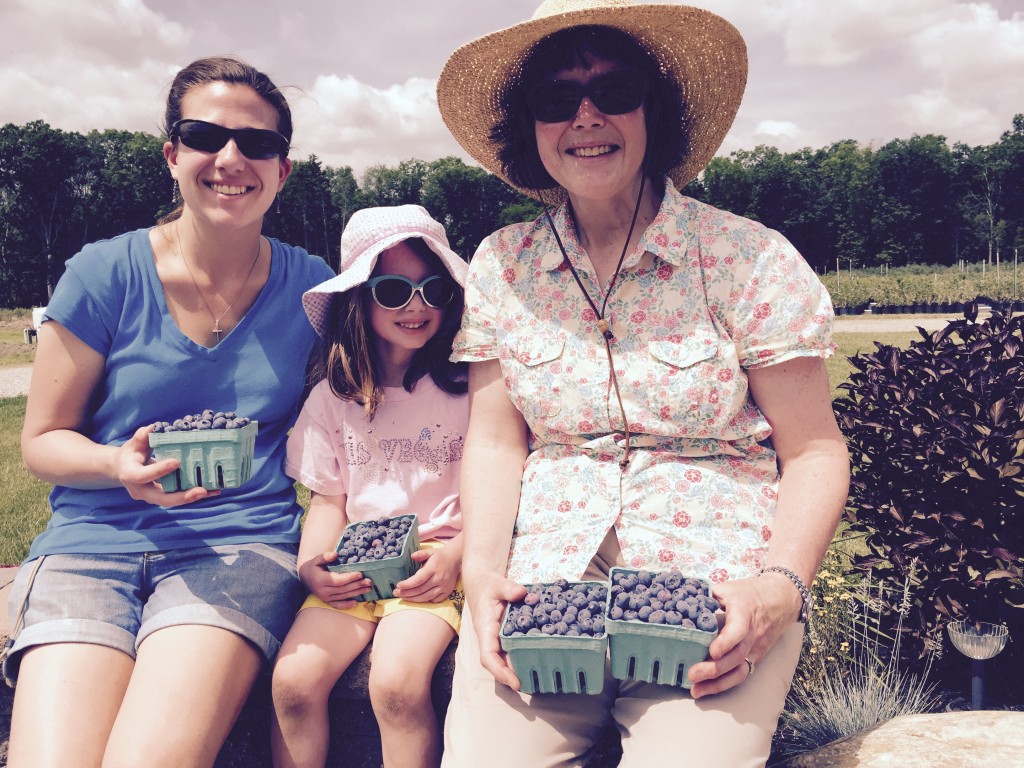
x,y
362,72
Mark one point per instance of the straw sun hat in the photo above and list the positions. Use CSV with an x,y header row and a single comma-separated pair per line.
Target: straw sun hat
x,y
703,53
369,233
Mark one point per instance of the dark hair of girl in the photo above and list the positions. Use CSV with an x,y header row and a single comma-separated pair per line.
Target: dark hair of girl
x,y
347,359
515,133
223,69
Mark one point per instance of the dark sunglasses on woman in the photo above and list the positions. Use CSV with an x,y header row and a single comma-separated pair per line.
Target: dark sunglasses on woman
x,y
254,143
614,93
395,291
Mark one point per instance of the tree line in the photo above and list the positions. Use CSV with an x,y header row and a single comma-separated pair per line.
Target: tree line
x,y
911,201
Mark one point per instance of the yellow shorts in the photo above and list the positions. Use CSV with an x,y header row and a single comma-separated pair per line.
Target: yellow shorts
x,y
450,609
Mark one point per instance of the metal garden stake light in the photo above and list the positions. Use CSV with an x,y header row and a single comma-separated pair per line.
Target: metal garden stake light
x,y
978,641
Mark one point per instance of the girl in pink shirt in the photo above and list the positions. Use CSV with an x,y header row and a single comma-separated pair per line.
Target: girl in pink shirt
x,y
380,435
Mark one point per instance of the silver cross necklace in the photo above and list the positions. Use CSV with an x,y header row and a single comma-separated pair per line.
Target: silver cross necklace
x,y
217,330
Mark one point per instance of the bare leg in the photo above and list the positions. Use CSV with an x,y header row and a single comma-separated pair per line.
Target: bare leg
x,y
189,684
406,649
67,699
320,646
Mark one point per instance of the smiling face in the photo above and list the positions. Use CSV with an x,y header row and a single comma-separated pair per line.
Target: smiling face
x,y
594,156
399,333
226,187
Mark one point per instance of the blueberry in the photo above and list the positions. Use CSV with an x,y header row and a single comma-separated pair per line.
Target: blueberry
x,y
673,580
707,621
673,617
656,617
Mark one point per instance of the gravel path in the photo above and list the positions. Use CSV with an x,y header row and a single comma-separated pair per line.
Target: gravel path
x,y
14,381
862,324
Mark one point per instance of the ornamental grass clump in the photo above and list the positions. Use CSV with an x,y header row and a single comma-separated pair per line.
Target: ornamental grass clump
x,y
863,686
936,438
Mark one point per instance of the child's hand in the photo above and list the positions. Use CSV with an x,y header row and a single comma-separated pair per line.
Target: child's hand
x,y
435,579
338,590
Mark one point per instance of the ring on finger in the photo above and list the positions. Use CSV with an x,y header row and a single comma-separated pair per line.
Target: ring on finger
x,y
750,667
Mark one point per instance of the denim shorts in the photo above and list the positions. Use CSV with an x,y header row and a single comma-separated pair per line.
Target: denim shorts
x,y
118,600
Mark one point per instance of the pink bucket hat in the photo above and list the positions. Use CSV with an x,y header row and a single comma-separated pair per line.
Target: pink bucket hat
x,y
370,232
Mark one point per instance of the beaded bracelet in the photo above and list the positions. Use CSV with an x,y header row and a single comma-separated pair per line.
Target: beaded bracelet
x,y
805,593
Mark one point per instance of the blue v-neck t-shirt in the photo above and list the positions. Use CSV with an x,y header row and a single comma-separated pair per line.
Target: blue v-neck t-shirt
x,y
111,298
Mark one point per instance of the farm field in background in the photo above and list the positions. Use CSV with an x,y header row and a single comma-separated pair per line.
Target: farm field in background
x,y
925,285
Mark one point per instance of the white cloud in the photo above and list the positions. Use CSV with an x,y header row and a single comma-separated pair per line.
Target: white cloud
x,y
772,129
821,70
84,66
355,124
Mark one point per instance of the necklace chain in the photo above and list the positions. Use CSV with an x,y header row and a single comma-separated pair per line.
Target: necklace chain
x,y
217,330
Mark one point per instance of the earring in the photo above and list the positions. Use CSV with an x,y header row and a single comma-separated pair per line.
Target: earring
x,y
278,201
175,192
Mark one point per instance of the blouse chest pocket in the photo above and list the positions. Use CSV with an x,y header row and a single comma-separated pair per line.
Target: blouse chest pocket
x,y
696,380
533,367
686,352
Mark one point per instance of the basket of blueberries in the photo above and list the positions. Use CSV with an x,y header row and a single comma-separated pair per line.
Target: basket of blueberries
x,y
381,550
659,625
214,449
555,637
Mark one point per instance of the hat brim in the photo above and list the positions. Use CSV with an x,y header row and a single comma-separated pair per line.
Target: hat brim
x,y
702,52
318,301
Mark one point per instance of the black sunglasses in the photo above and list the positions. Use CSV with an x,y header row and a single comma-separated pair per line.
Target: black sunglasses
x,y
395,291
614,93
254,143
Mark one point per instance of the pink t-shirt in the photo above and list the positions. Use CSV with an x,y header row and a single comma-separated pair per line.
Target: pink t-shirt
x,y
405,461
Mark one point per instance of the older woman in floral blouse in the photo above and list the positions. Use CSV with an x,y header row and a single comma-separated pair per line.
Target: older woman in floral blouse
x,y
647,381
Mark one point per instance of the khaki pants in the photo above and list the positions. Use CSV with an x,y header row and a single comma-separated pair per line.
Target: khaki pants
x,y
491,726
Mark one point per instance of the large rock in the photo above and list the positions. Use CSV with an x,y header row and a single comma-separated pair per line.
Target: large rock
x,y
983,739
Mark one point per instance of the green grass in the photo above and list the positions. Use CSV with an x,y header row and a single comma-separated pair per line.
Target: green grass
x,y
24,508
850,344
13,349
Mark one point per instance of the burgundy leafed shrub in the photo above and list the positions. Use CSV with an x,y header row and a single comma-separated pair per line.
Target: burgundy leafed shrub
x,y
936,437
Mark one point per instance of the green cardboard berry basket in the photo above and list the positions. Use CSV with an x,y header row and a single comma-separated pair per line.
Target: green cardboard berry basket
x,y
655,653
211,458
387,573
556,663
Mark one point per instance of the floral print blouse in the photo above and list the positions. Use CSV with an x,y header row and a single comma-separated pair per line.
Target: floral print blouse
x,y
705,296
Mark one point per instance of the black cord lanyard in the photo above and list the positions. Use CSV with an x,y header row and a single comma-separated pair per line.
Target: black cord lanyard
x,y
602,323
